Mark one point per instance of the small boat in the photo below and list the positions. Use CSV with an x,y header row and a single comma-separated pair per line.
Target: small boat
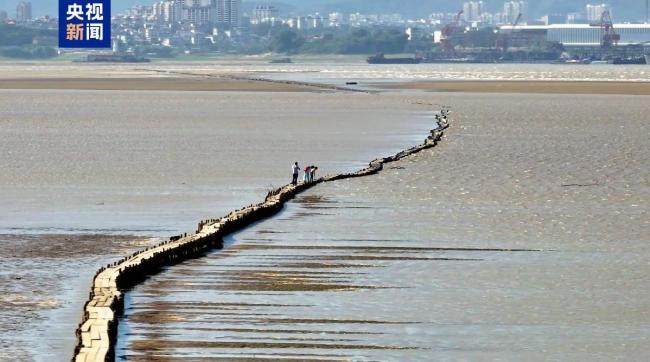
x,y
281,61
572,61
113,58
381,59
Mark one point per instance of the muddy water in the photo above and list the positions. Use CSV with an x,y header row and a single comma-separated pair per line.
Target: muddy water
x,y
44,282
524,235
336,70
156,162
87,170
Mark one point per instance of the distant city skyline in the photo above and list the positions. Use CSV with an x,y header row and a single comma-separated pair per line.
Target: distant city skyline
x,y
623,10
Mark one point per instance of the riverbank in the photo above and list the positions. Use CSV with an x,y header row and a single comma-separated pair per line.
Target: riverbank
x,y
98,329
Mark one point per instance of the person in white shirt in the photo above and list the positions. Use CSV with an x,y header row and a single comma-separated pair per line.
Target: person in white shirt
x,y
296,171
312,174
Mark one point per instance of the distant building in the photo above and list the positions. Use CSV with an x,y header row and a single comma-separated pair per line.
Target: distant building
x,y
472,10
3,16
315,21
301,22
171,11
584,35
595,12
24,11
512,9
551,19
577,18
487,18
414,33
335,19
264,14
229,13
198,15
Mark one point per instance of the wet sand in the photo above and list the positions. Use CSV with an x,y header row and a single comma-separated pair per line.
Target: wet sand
x,y
173,83
310,76
553,87
206,81
43,285
523,235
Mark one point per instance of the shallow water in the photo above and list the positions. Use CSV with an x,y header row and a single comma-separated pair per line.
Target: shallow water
x,y
581,199
522,236
120,163
44,283
154,163
346,69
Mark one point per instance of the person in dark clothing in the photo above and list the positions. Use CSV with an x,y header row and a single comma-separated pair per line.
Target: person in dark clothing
x,y
312,175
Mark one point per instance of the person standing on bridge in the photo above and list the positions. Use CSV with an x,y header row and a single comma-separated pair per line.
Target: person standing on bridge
x,y
312,173
296,171
305,178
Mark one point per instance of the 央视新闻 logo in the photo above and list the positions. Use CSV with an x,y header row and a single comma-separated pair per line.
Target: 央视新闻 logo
x,y
84,24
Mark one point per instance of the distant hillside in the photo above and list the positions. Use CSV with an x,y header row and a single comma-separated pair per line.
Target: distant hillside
x,y
623,9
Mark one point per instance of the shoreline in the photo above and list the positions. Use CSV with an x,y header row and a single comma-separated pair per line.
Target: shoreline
x,y
522,86
198,82
97,332
175,83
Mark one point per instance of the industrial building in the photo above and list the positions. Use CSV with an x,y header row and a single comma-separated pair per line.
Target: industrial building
x,y
579,35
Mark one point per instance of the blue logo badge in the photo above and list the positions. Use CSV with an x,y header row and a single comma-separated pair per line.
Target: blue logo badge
x,y
84,23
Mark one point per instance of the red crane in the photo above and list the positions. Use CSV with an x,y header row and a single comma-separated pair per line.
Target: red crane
x,y
608,35
447,32
503,40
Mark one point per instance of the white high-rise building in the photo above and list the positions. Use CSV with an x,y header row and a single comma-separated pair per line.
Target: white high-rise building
x,y
336,19
264,14
229,13
472,10
595,12
512,9
24,11
172,11
198,15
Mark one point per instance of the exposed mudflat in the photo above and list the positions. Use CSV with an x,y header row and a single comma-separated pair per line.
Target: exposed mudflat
x,y
44,281
509,86
523,235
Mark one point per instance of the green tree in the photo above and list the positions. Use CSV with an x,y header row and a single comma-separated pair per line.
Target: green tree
x,y
28,52
13,35
286,41
390,41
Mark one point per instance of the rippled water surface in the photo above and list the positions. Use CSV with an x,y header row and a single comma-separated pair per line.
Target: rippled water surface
x,y
334,71
157,162
84,171
522,236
